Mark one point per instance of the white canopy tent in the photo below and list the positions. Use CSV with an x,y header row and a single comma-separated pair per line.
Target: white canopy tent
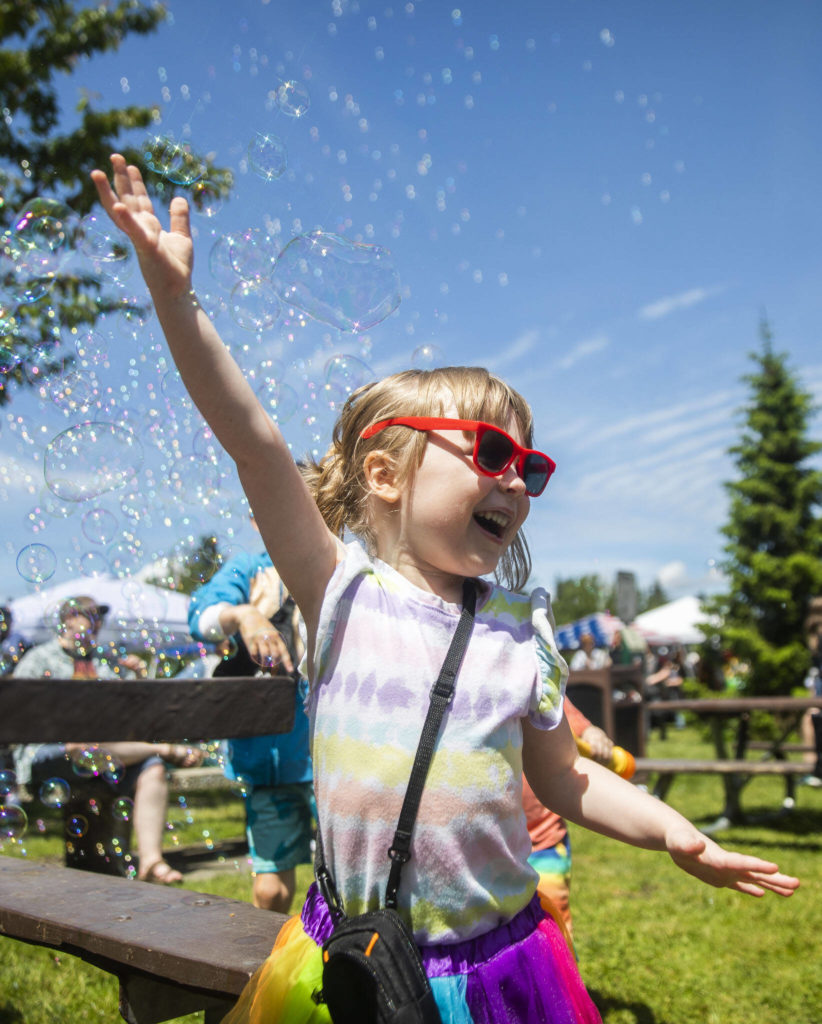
x,y
138,612
672,623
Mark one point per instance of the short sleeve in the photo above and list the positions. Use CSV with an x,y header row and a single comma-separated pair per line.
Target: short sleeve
x,y
545,711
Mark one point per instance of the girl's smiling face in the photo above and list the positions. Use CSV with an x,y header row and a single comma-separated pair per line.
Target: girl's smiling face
x,y
451,521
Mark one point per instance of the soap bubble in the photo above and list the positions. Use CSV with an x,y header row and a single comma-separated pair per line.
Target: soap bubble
x,y
8,784
292,98
173,160
77,826
93,563
36,563
280,401
254,306
122,809
99,525
267,156
350,285
13,822
55,792
125,557
101,241
206,198
91,348
90,459
44,225
252,254
220,265
72,392
428,357
347,373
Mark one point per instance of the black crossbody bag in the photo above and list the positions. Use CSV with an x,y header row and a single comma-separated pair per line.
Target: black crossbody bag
x,y
372,968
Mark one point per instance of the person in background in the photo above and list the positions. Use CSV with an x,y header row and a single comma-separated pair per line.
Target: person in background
x,y
12,644
246,600
550,842
589,656
810,728
74,654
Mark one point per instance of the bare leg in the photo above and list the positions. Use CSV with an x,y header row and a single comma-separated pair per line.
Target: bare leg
x,y
274,891
808,737
150,807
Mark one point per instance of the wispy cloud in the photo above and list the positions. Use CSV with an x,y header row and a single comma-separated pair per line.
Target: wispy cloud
x,y
583,349
682,417
521,345
671,303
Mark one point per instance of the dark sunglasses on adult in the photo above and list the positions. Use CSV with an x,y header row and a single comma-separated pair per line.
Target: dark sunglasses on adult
x,y
494,450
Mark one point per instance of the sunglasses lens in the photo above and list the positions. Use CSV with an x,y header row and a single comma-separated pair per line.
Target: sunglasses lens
x,y
494,451
536,472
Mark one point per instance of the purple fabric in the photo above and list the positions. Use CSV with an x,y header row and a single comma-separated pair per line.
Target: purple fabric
x,y
443,958
522,971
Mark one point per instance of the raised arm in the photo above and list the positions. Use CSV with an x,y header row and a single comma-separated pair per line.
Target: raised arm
x,y
589,794
301,547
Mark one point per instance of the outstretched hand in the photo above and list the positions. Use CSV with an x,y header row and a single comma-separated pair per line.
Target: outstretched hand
x,y
706,860
166,257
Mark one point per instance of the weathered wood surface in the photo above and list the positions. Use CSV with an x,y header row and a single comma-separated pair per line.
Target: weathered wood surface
x,y
201,941
80,711
735,706
718,766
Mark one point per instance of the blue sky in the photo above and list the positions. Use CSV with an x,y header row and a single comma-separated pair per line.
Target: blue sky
x,y
595,200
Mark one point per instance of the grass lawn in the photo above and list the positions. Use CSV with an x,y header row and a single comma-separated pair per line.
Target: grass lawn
x,y
655,946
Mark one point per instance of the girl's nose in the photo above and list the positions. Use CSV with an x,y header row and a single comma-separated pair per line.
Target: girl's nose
x,y
511,482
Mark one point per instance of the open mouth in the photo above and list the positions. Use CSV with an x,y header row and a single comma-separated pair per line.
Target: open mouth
x,y
492,522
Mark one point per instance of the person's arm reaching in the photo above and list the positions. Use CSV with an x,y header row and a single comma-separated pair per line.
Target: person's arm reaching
x,y
590,795
302,548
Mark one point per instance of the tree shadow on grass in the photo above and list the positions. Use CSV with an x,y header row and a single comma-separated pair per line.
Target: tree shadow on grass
x,y
797,822
10,1015
642,1013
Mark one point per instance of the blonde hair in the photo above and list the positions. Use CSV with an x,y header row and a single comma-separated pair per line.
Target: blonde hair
x,y
337,481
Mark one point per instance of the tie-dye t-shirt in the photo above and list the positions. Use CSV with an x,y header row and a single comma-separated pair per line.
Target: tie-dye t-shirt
x,y
380,646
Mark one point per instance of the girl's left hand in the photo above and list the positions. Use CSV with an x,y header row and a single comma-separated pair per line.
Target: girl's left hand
x,y
700,856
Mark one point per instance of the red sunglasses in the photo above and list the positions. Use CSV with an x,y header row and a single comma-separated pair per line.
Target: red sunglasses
x,y
494,450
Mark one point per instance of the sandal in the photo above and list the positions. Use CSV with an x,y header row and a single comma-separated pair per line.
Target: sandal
x,y
160,873
182,756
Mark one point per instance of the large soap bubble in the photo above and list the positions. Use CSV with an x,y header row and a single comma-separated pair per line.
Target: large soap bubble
x,y
36,563
90,459
267,156
350,285
292,98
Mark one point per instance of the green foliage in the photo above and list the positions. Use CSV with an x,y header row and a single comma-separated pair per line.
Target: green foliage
x,y
189,567
45,189
577,596
774,531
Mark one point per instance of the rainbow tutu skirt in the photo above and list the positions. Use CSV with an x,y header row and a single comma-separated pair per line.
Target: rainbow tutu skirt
x,y
523,971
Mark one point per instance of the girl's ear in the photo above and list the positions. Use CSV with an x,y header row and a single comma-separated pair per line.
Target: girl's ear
x,y
380,473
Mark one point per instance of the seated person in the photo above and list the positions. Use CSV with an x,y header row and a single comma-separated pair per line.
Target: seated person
x,y
589,655
74,653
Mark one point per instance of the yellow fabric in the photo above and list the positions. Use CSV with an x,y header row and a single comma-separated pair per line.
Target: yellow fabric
x,y
280,990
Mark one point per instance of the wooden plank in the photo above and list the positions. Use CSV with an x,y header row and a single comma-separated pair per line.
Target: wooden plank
x,y
88,711
189,938
737,705
684,766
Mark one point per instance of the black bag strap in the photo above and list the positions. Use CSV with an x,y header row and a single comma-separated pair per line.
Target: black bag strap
x,y
441,694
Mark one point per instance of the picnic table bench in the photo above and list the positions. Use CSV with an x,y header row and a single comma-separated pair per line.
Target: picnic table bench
x,y
735,767
173,951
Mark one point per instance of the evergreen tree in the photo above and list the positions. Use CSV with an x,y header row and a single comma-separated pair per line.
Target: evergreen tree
x,y
51,261
774,531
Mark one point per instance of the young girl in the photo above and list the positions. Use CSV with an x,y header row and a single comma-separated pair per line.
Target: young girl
x,y
433,471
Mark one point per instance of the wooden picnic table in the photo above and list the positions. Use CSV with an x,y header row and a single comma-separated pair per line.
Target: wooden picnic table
x,y
732,762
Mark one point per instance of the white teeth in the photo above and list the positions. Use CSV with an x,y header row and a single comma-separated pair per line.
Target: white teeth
x,y
500,518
